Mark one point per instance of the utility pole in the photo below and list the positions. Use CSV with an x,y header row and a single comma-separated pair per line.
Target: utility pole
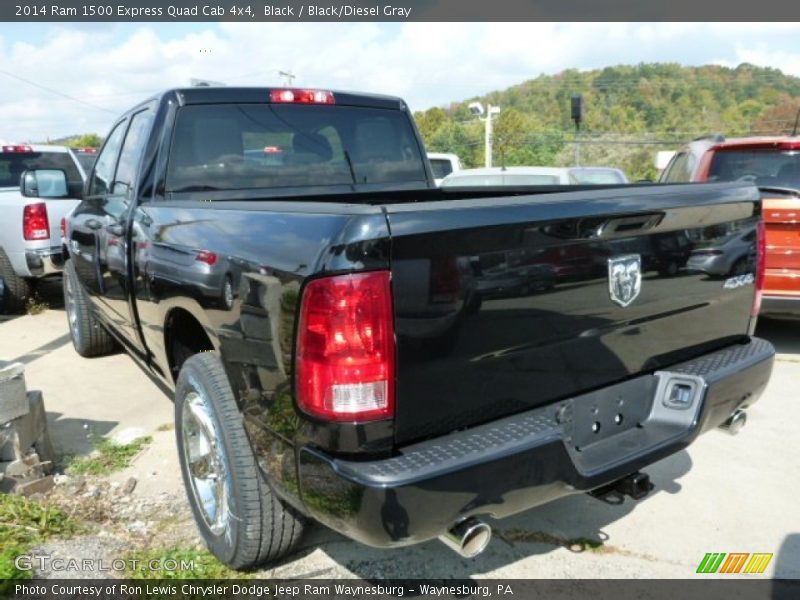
x,y
487,138
476,108
289,77
577,116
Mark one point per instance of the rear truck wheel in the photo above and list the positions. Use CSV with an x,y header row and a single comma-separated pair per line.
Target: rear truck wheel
x,y
14,290
670,270
226,297
739,267
241,520
89,337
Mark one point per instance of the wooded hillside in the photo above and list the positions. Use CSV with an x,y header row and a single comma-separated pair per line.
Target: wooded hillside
x,y
630,112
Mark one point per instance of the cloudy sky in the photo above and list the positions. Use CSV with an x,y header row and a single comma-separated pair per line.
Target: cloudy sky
x,y
62,79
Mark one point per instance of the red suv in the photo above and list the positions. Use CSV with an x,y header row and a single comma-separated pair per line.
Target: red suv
x,y
772,163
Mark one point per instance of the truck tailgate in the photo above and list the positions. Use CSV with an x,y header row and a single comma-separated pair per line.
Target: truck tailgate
x,y
782,223
508,303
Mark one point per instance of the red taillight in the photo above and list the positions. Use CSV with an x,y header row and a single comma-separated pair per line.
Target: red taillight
x,y
761,259
294,96
272,149
87,150
17,149
35,225
445,280
345,348
206,256
63,227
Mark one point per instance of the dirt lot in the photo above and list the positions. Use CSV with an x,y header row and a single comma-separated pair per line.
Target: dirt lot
x,y
726,494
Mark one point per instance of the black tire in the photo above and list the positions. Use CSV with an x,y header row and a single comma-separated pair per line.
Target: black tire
x,y
739,267
255,526
670,270
89,337
16,290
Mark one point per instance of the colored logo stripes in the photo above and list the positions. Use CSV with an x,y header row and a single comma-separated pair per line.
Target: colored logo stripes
x,y
734,563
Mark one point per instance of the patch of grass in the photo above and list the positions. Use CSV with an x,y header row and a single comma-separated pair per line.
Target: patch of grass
x,y
108,456
580,544
25,523
166,427
36,306
178,563
9,571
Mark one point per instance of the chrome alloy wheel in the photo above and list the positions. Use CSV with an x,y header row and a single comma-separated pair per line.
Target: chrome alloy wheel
x,y
71,307
205,462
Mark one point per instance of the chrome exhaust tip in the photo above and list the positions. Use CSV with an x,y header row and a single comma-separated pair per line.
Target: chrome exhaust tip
x,y
468,538
735,422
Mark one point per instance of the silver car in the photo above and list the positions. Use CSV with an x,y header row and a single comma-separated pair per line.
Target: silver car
x,y
733,255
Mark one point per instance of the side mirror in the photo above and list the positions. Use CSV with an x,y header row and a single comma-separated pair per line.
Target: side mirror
x,y
44,183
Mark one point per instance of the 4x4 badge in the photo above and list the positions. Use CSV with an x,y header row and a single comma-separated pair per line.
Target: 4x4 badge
x,y
624,278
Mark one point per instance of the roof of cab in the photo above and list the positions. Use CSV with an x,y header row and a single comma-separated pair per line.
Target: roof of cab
x,y
38,147
257,95
786,142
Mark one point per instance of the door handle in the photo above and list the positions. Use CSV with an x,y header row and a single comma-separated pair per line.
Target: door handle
x,y
93,224
115,229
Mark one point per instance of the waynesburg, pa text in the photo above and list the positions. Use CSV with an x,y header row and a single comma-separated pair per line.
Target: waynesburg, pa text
x,y
254,590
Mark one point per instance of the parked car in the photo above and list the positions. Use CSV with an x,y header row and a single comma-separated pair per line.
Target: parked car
x,y
730,256
86,157
535,176
773,164
31,209
495,176
442,164
596,175
308,395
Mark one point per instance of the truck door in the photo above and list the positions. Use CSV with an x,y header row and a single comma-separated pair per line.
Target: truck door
x,y
112,207
88,218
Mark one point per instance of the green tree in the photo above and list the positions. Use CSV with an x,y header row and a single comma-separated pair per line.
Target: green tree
x,y
642,105
87,140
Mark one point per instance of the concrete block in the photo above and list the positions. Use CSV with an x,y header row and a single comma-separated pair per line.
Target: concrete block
x,y
13,402
23,468
37,486
20,434
16,475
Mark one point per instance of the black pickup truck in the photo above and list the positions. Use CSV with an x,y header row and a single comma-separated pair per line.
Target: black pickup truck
x,y
347,342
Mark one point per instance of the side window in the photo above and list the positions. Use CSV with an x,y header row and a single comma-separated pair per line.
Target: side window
x,y
131,152
107,162
678,169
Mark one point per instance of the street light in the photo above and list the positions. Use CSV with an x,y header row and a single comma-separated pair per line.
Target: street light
x,y
476,108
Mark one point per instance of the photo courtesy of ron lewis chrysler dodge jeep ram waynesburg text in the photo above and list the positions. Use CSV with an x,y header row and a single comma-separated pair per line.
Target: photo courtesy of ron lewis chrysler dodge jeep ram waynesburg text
x,y
326,317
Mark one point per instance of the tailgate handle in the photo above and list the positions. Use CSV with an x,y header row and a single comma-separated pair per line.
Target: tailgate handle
x,y
627,225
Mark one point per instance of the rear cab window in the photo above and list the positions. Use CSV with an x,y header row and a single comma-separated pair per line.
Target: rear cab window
x,y
271,146
12,165
765,167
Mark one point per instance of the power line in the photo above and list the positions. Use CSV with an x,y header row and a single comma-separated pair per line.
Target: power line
x,y
56,92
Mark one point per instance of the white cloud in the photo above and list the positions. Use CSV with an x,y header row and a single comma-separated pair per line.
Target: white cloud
x,y
426,63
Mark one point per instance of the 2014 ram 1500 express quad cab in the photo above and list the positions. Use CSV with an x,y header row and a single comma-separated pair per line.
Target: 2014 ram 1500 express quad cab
x,y
347,342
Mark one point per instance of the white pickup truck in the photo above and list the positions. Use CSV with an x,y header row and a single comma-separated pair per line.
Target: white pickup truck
x,y
31,209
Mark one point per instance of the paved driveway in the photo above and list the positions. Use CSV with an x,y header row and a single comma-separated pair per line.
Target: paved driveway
x,y
725,494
